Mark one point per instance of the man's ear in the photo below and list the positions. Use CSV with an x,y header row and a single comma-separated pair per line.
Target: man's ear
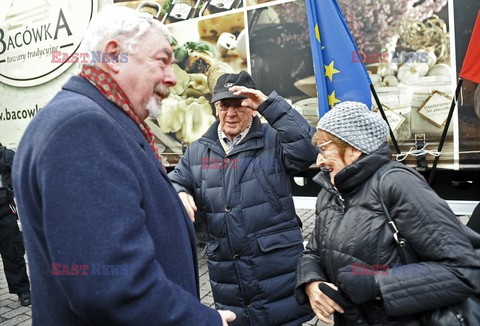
x,y
110,56
214,107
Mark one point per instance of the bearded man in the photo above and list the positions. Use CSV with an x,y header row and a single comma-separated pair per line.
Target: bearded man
x,y
109,242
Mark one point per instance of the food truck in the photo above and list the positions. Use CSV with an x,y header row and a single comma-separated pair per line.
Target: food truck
x,y
413,51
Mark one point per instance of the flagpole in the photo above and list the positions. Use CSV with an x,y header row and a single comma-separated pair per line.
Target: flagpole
x,y
444,134
382,112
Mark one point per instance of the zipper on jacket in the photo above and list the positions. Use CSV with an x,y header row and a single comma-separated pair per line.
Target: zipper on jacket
x,y
341,201
322,180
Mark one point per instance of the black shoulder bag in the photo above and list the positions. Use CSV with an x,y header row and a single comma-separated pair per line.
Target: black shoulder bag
x,y
465,313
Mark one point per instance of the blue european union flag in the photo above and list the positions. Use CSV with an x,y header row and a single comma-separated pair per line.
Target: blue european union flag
x,y
338,75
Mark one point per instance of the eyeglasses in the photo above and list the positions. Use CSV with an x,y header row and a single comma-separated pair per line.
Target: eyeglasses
x,y
223,106
322,148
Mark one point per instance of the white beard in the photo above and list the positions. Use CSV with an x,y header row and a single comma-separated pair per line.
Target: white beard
x,y
154,107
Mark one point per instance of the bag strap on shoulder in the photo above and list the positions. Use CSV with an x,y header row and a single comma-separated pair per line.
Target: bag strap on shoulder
x,y
407,254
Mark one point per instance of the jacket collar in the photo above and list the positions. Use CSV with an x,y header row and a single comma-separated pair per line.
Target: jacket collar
x,y
323,179
253,140
351,177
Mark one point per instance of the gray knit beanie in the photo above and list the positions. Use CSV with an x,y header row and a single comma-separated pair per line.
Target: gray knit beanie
x,y
356,125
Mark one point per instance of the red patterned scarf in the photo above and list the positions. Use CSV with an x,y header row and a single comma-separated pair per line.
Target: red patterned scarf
x,y
112,91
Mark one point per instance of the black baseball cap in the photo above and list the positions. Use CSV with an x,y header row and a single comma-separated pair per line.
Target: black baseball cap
x,y
226,81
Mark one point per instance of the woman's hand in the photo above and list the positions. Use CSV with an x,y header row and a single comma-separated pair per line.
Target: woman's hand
x,y
321,304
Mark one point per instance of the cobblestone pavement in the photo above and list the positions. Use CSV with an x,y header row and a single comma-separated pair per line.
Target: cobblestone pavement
x,y
11,313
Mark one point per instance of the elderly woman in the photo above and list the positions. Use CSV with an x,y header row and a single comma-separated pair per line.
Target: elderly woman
x,y
352,267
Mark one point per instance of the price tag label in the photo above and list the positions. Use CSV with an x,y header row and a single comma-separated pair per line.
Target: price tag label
x,y
222,4
395,119
435,108
180,11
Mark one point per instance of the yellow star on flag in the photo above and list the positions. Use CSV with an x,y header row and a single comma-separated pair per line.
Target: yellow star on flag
x,y
317,33
330,70
332,100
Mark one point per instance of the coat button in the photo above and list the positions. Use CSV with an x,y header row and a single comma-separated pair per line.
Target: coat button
x,y
228,208
236,257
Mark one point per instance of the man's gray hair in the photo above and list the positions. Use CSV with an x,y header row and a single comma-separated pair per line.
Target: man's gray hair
x,y
126,25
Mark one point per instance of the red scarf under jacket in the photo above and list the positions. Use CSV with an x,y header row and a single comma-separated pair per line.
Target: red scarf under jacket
x,y
112,91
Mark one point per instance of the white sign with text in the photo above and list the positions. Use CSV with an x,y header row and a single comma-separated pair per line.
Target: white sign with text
x,y
32,30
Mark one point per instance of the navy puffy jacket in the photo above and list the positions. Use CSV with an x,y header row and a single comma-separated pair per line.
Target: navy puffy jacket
x,y
246,203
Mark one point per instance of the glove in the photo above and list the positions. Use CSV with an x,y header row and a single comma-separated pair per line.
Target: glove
x,y
352,314
358,287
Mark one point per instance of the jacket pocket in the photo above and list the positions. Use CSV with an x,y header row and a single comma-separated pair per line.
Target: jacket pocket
x,y
271,195
279,240
211,250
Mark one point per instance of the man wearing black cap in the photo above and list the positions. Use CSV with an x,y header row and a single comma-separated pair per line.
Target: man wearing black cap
x,y
236,179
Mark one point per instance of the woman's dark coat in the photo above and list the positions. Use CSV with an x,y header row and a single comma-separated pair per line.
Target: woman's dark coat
x,y
351,228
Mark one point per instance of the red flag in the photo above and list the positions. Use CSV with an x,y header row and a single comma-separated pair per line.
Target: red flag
x,y
471,63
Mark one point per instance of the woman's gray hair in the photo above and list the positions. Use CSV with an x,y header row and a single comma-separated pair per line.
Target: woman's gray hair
x,y
126,25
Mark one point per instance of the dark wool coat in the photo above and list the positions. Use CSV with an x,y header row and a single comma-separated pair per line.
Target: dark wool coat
x,y
91,192
246,203
351,228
